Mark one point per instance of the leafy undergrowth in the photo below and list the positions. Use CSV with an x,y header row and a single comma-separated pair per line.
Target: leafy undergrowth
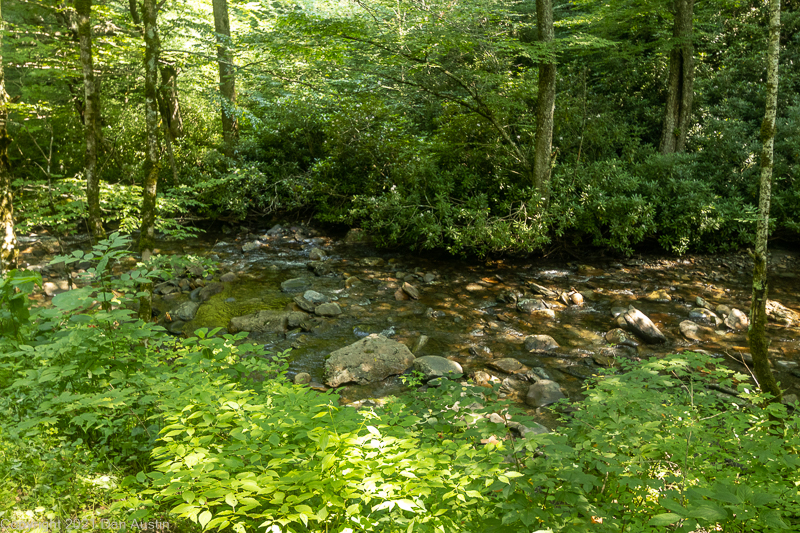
x,y
104,417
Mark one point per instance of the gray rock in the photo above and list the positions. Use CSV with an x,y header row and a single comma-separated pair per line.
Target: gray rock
x,y
373,262
251,246
319,268
723,310
315,297
544,291
695,332
228,277
701,302
544,393
777,312
53,288
737,320
529,306
433,366
522,430
317,255
618,311
620,336
701,313
643,326
186,311
509,365
295,285
295,319
260,322
176,327
303,378
210,290
411,291
328,309
540,343
368,360
429,278
304,304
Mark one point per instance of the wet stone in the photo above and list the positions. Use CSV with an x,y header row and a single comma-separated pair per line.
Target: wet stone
x,y
303,378
643,326
295,285
737,320
705,315
779,313
529,306
660,295
544,393
317,255
429,278
695,332
434,366
371,359
410,290
304,304
210,290
509,365
540,343
319,268
620,336
251,246
226,278
315,297
186,311
328,309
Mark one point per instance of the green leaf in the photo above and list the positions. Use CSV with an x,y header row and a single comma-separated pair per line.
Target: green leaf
x,y
664,519
710,512
204,518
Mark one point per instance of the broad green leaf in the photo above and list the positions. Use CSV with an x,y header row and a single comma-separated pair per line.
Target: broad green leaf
x,y
204,518
664,519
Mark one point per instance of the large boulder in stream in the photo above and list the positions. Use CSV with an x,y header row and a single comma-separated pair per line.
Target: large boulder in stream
x,y
371,359
642,326
434,366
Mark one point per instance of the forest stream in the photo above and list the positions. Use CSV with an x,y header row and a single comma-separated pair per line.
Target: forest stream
x,y
492,317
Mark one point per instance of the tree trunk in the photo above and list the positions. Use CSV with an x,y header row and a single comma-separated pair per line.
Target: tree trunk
x,y
152,165
168,103
757,335
545,104
9,252
91,124
680,86
227,76
134,12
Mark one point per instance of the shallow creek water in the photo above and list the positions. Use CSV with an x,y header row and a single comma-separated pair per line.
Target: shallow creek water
x,y
464,308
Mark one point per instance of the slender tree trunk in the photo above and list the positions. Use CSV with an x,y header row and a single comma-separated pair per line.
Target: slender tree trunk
x,y
134,12
545,104
757,336
227,76
168,102
152,164
680,86
9,252
91,116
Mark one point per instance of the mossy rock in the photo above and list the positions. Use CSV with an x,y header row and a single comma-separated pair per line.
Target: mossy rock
x,y
235,300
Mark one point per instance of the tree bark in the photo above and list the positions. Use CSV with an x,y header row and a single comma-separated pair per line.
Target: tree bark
x,y
91,117
680,85
545,105
9,252
134,12
757,336
169,104
227,76
152,49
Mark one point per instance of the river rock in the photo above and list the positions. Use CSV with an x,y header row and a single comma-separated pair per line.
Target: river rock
x,y
529,306
412,291
260,322
250,246
210,290
176,327
540,343
704,314
315,297
660,295
532,428
509,365
429,277
701,302
421,342
295,319
303,378
643,326
317,255
776,312
544,291
576,298
696,332
319,268
304,304
543,393
510,296
374,262
620,336
723,310
295,285
737,320
52,288
186,311
228,277
433,366
368,360
328,309
618,311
